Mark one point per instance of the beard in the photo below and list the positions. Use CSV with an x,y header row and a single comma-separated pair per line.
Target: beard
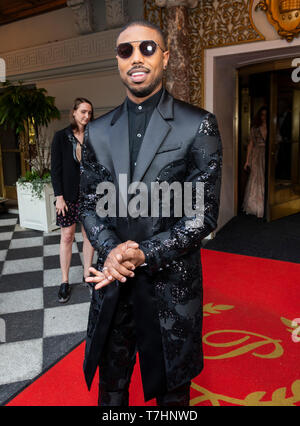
x,y
142,92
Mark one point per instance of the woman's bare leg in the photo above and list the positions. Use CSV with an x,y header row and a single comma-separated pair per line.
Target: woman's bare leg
x,y
88,253
65,250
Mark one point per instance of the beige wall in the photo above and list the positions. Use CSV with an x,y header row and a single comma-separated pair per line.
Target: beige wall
x,y
103,89
48,51
41,29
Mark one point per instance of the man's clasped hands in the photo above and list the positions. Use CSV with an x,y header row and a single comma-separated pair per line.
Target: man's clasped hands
x,y
119,265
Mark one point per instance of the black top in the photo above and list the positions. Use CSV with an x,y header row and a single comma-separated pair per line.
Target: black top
x,y
138,119
65,168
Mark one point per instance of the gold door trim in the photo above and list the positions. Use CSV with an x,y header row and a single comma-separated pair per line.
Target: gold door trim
x,y
9,191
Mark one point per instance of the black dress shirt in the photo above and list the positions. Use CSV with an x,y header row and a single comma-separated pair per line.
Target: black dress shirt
x,y
138,119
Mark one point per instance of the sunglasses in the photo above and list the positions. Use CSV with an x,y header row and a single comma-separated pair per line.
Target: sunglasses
x,y
147,48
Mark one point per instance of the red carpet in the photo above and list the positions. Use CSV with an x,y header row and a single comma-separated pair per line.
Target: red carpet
x,y
250,344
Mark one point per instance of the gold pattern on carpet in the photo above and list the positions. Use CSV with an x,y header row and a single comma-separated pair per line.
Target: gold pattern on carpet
x,y
210,309
289,323
243,347
279,397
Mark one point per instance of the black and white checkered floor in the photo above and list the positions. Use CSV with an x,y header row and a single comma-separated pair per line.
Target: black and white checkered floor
x,y
35,329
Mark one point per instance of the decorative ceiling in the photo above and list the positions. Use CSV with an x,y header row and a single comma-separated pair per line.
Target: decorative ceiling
x,y
13,10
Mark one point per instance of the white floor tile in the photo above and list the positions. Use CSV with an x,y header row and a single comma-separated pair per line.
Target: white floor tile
x,y
20,360
20,301
55,232
53,249
8,222
66,319
52,277
22,265
3,255
5,236
78,237
26,242
20,228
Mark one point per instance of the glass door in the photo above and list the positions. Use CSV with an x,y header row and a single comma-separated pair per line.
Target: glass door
x,y
271,85
284,152
12,164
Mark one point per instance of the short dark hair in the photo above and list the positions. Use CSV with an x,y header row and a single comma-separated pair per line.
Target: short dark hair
x,y
143,23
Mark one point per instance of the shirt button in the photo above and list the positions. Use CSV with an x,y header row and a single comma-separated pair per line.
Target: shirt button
x,y
134,164
140,107
139,135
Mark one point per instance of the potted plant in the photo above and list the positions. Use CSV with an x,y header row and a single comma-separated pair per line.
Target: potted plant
x,y
34,190
28,111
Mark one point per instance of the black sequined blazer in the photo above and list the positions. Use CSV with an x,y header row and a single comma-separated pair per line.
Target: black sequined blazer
x,y
181,144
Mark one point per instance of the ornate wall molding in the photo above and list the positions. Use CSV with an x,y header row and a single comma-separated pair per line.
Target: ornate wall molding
x,y
88,50
116,13
83,15
213,23
284,15
175,3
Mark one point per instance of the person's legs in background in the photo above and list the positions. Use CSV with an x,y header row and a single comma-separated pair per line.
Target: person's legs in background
x,y
65,254
87,252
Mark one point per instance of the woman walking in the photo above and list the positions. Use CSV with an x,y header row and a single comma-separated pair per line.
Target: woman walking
x,y
65,176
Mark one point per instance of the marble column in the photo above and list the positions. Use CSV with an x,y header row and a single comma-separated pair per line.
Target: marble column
x,y
177,78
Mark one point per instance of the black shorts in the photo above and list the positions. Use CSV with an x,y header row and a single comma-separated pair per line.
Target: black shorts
x,y
71,216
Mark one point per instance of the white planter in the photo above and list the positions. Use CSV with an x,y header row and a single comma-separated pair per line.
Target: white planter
x,y
34,213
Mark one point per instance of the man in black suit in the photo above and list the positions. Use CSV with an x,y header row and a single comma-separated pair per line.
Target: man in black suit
x,y
148,283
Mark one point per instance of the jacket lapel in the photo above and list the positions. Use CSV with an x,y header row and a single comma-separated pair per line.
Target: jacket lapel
x,y
157,130
119,140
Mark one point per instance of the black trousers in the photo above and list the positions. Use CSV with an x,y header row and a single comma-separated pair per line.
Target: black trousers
x,y
118,360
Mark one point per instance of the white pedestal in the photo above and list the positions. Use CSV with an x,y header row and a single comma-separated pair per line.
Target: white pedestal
x,y
34,213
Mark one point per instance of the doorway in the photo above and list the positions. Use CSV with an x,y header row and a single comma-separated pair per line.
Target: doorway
x,y
271,85
12,164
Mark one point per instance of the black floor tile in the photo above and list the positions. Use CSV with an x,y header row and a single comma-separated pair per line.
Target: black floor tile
x,y
79,294
27,234
51,239
24,253
24,281
8,216
4,244
7,392
7,228
53,262
24,325
56,347
80,246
